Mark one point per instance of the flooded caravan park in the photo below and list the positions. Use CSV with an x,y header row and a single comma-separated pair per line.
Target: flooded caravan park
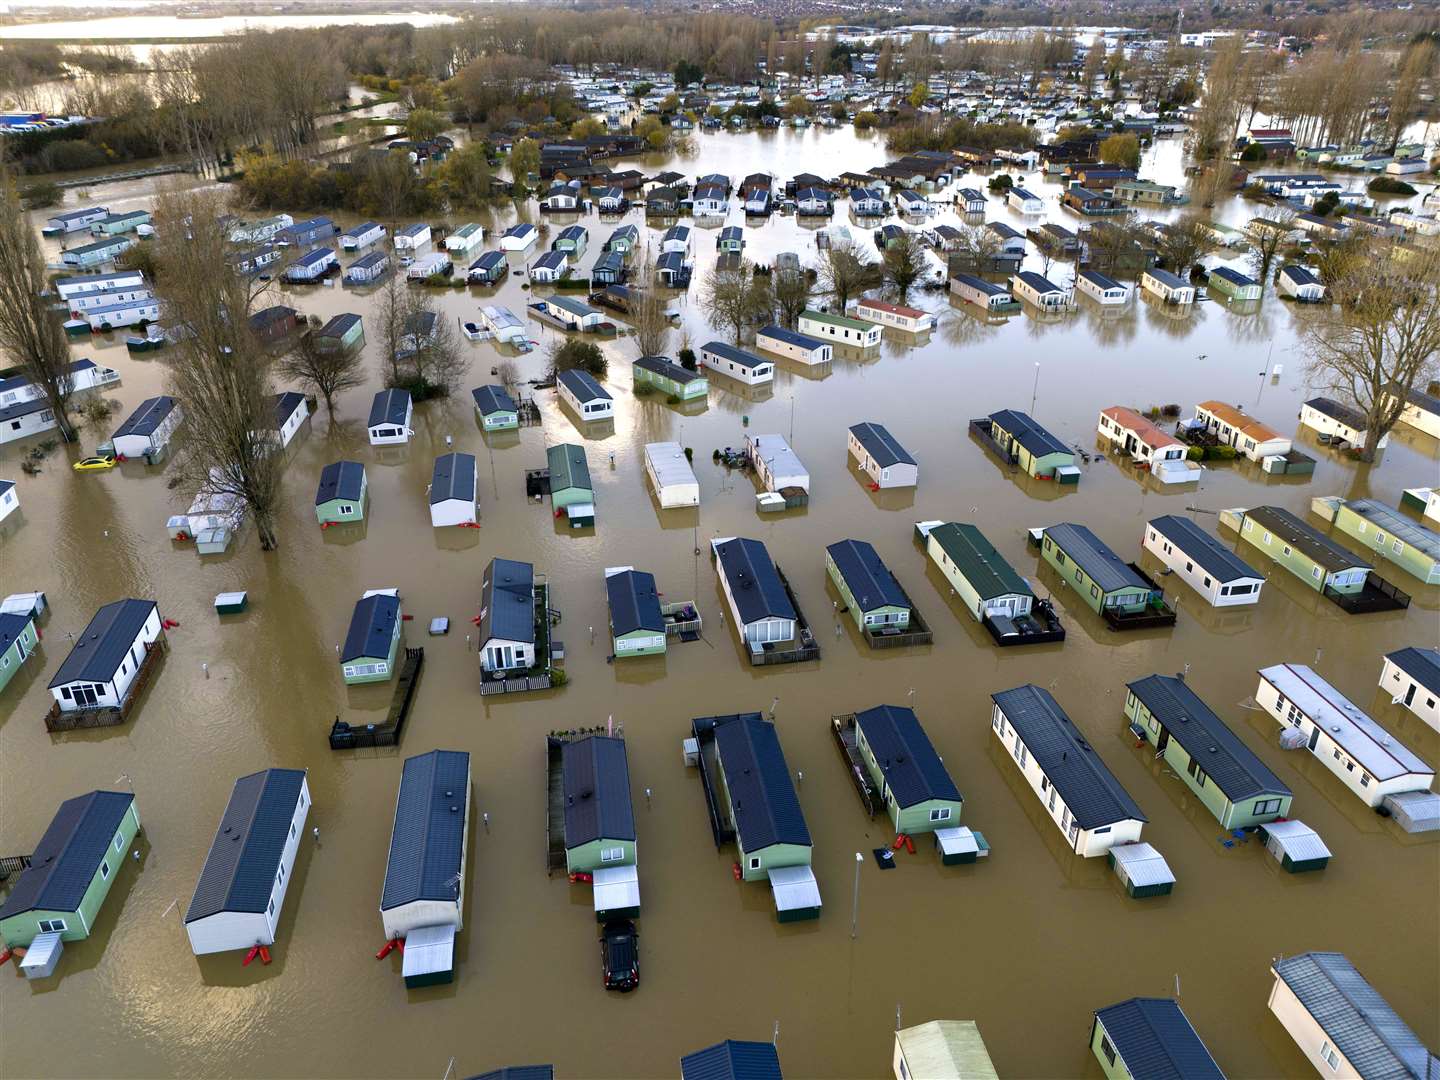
x,y
1028,942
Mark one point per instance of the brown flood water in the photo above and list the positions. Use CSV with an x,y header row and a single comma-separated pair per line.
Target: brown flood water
x,y
1027,943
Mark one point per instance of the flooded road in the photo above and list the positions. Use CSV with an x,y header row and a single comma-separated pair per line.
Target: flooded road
x,y
1027,943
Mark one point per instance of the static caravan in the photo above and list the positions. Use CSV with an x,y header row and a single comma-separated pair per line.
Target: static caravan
x,y
1369,760
676,239
609,269
1023,442
433,264
709,200
74,220
373,639
881,457
793,346
1038,290
411,237
1025,201
1341,1023
813,202
9,499
367,269
519,237
561,198
942,1050
777,467
389,421
1222,772
732,1060
1202,561
912,203
737,363
1101,289
624,239
126,313
873,598
988,586
97,253
672,271
599,822
503,325
1300,284
68,288
1411,677
465,239
984,294
257,232
147,430
829,326
1311,556
422,900
311,266
1163,454
452,491
770,828
581,392
342,493
1421,411
1103,581
1388,533
911,320
1168,287
1232,426
506,640
1337,422
291,410
867,202
669,378
571,488
610,200
241,892
123,222
496,408
107,657
81,303
488,269
1082,797
571,313
916,787
305,233
362,235
759,604
670,475
1145,1037
970,201
637,626
19,636
1233,285
730,240
1011,241
572,241
342,333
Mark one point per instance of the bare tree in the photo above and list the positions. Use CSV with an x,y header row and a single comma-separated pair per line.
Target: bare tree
x,y
1379,338
218,368
328,370
1267,236
29,333
793,293
390,313
734,298
648,316
903,264
845,272
1182,243
430,360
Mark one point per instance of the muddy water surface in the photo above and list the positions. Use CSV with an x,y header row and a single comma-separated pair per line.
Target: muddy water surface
x,y
1027,943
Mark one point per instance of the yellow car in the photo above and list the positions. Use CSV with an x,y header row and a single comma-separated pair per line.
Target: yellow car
x,y
94,464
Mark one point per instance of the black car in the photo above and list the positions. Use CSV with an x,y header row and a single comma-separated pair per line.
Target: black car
x,y
620,955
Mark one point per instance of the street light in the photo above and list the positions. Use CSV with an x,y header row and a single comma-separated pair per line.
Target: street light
x,y
1035,392
855,908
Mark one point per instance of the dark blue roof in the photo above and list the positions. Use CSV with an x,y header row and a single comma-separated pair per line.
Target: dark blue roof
x,y
372,627
373,259
762,795
634,603
1299,275
340,480
1038,282
596,775
1212,556
668,369
519,1072
1089,789
362,228
339,325
427,842
792,337
734,354
1422,665
389,407
883,447
12,624
732,1060
490,260
453,478
753,581
1157,1041
1166,278
1234,767
912,769
1224,273
147,417
104,644
507,604
1028,433
551,260
311,258
239,872
866,575
492,399
1089,552
14,382
69,854
286,405
670,260
583,385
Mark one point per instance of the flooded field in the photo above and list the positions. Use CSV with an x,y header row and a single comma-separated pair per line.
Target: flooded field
x,y
1027,943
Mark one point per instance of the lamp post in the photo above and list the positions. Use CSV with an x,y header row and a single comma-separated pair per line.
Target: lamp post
x,y
1035,391
855,907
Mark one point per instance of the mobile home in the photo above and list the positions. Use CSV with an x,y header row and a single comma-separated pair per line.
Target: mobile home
x,y
1168,287
342,493
776,465
911,320
506,638
373,639
496,408
1388,533
793,346
103,664
571,488
1038,290
872,597
1144,1037
1232,426
599,815
637,627
1337,422
770,828
916,787
1103,581
826,325
1202,561
389,422
1023,442
1101,289
581,392
1163,454
984,582
146,431
411,237
881,457
985,294
1299,283
669,378
1311,556
452,491
942,1050
759,605
670,475
362,235
1233,285
737,363
465,239
1411,676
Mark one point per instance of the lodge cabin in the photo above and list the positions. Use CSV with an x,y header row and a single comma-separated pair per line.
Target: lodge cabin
x,y
240,896
1207,756
1364,756
507,627
107,657
1202,561
1091,809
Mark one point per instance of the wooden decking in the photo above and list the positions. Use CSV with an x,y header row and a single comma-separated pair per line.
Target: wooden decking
x,y
917,633
109,716
843,728
1157,612
805,648
980,432
13,864
1377,595
345,737
720,827
554,805
682,619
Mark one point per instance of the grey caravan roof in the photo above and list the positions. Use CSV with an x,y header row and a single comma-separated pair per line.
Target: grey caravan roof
x,y
507,605
596,776
239,871
427,840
